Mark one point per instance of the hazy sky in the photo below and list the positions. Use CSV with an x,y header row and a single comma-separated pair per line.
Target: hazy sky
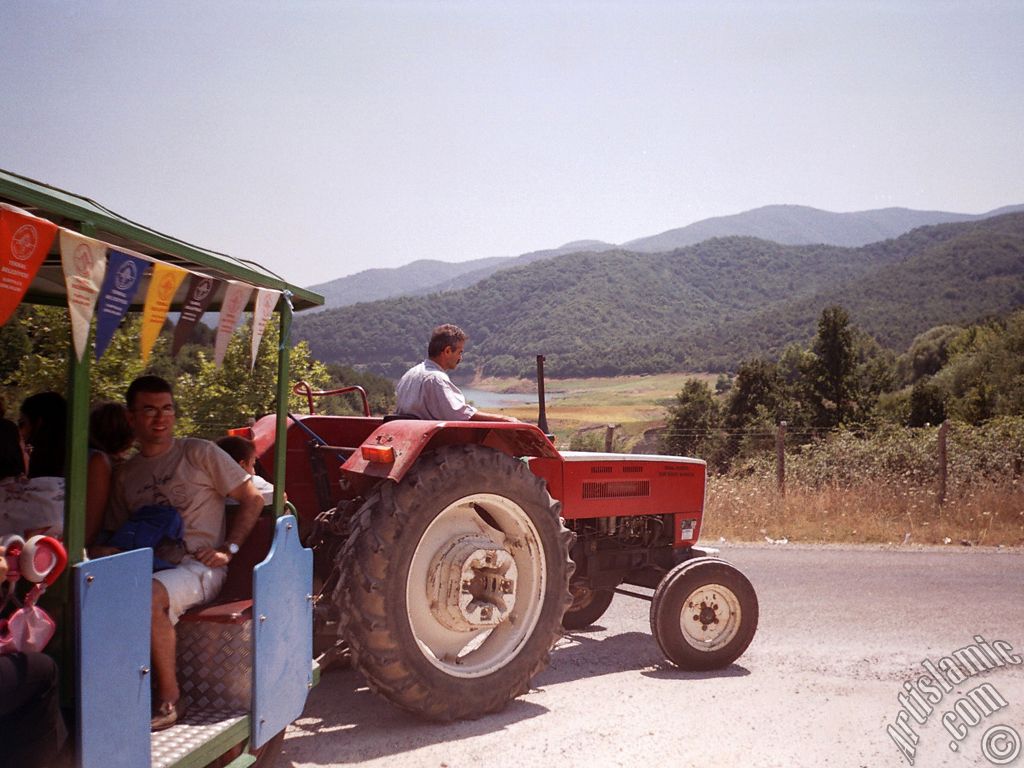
x,y
324,138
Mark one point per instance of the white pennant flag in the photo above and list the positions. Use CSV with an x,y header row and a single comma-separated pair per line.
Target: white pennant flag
x,y
266,300
235,298
85,262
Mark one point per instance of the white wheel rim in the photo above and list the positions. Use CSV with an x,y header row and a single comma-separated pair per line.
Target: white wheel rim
x,y
710,617
461,639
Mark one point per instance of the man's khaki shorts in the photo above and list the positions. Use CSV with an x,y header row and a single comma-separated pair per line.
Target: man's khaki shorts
x,y
190,583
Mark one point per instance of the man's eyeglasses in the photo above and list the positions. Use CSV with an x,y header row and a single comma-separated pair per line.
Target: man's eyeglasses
x,y
151,411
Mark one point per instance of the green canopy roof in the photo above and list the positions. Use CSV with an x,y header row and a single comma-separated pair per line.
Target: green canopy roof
x,y
80,214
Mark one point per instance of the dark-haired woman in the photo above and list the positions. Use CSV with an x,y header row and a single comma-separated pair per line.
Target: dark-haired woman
x,y
110,437
43,424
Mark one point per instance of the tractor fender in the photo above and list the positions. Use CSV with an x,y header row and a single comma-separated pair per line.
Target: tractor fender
x,y
410,438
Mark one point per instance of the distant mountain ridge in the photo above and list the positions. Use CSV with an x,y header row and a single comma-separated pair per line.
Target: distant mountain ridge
x,y
785,224
803,225
706,306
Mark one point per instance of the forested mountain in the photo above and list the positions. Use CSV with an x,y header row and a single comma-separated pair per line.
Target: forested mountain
x,y
702,307
954,273
373,284
802,225
431,276
787,224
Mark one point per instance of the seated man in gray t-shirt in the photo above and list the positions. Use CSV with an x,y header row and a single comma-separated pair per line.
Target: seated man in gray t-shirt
x,y
426,392
195,477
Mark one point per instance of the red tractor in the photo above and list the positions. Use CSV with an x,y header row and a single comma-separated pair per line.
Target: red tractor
x,y
449,556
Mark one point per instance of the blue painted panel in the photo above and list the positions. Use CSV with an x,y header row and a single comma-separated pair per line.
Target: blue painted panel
x,y
112,613
282,632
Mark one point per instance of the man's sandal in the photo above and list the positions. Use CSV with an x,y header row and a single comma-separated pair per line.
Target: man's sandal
x,y
167,714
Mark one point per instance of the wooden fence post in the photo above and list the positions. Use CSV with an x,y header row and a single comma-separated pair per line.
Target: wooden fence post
x,y
609,435
780,457
943,432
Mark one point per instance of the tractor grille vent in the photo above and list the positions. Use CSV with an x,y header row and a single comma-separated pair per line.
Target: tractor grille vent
x,y
616,489
601,470
632,470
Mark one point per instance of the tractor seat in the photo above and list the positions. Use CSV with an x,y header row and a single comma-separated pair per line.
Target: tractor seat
x,y
400,417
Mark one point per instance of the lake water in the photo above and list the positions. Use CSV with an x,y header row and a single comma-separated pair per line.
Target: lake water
x,y
485,400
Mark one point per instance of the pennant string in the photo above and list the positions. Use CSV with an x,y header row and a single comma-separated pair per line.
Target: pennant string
x,y
111,278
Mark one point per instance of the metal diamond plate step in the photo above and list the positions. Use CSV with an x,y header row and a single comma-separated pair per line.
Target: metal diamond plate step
x,y
197,729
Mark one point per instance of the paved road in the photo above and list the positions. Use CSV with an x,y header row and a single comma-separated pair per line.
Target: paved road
x,y
841,630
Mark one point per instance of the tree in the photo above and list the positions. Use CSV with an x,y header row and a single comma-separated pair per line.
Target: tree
x,y
926,404
15,344
216,399
380,392
757,384
44,366
833,371
692,421
985,374
928,353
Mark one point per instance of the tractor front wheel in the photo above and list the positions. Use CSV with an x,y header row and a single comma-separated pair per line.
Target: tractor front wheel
x,y
454,582
704,614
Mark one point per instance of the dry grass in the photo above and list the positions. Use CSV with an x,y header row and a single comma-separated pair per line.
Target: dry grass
x,y
751,509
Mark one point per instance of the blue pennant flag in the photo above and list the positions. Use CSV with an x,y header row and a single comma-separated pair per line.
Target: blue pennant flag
x,y
124,273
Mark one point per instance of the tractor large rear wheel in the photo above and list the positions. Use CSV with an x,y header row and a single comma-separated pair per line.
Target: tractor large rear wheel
x,y
454,582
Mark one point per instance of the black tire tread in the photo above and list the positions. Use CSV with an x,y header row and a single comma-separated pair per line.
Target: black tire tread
x,y
366,566
584,616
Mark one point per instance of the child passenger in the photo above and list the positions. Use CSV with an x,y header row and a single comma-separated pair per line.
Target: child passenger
x,y
243,451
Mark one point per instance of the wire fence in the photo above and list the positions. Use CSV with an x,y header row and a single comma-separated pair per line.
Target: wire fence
x,y
950,483
949,458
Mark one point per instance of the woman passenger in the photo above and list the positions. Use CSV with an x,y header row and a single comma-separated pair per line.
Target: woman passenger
x,y
43,425
110,437
27,506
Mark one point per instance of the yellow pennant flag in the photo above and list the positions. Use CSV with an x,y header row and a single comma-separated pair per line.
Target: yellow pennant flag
x,y
85,262
163,284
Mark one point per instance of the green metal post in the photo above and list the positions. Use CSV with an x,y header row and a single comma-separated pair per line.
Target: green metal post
x,y
77,451
77,456
283,391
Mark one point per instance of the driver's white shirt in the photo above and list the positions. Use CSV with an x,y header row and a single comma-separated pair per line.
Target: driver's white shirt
x,y
425,391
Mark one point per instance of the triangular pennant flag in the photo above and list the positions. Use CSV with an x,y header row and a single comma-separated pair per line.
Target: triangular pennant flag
x,y
24,242
235,298
200,291
85,262
124,273
266,300
163,284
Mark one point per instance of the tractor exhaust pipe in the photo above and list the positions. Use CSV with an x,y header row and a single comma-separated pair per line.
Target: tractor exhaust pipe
x,y
542,415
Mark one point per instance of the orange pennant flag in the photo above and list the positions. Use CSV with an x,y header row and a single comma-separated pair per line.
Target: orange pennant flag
x,y
24,242
163,284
